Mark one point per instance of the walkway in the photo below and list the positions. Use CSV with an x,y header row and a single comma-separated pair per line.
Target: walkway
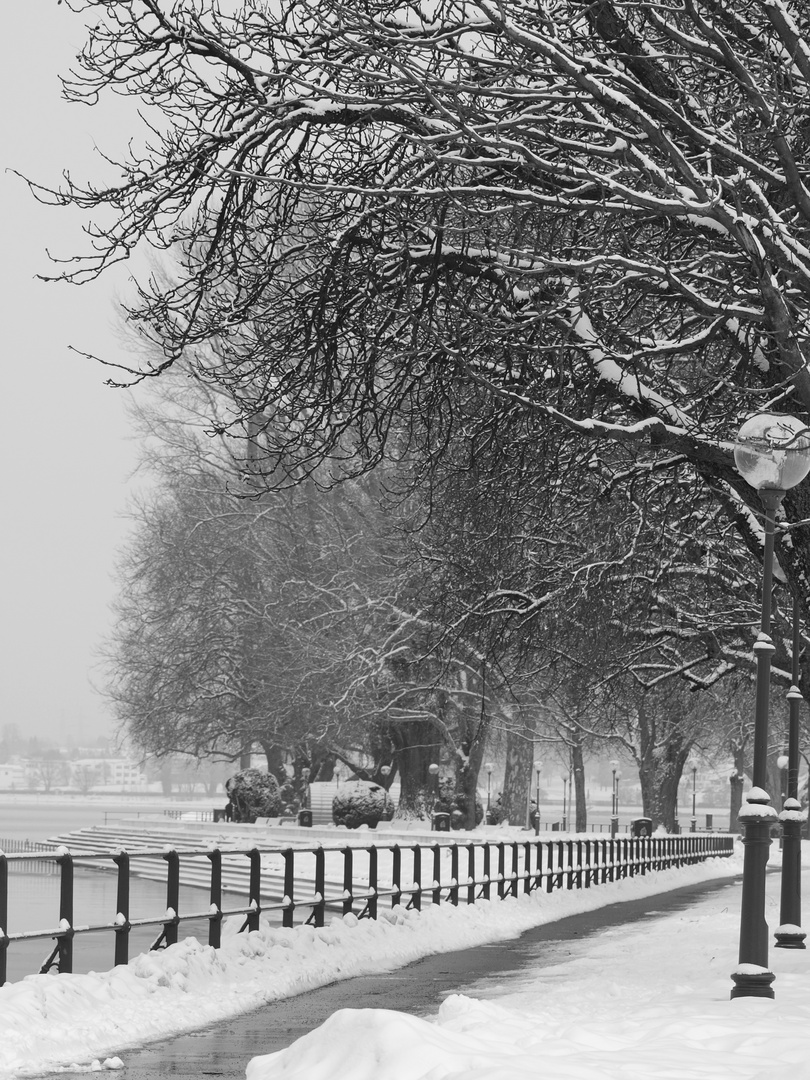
x,y
224,1050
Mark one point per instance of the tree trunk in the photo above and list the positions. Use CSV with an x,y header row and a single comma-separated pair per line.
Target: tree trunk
x,y
517,780
166,776
275,761
417,747
660,764
578,765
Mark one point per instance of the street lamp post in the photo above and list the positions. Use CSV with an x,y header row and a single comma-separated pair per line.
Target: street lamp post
x,y
489,767
433,769
565,804
773,454
614,802
789,934
693,823
616,819
782,764
537,767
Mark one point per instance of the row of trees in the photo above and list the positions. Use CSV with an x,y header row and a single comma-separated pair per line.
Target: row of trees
x,y
390,621
526,268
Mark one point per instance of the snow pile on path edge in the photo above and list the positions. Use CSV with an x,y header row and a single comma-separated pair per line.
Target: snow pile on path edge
x,y
51,1022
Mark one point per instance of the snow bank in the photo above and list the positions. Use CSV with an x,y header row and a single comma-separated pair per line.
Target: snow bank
x,y
49,1022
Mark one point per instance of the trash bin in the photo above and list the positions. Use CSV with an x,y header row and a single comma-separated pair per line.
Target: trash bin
x,y
305,818
641,826
709,822
676,828
440,821
555,826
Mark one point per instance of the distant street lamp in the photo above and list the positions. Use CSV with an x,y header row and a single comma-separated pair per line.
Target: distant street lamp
x,y
489,767
564,820
433,769
693,823
782,763
616,819
789,933
537,766
773,454
385,771
614,804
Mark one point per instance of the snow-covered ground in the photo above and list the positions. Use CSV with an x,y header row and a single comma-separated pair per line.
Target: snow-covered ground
x,y
647,1000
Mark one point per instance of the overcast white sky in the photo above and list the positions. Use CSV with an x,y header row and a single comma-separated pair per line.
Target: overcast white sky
x,y
66,451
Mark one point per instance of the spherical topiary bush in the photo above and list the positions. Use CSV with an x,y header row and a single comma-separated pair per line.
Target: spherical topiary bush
x,y
253,794
455,803
358,803
460,807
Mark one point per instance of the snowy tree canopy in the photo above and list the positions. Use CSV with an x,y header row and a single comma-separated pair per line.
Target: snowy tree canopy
x,y
596,213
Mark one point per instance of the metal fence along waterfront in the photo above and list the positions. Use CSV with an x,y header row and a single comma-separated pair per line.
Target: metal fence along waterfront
x,y
298,884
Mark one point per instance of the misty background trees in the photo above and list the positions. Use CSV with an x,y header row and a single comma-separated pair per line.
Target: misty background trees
x,y
473,301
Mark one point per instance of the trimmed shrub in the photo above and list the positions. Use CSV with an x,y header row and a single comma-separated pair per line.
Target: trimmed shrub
x,y
359,803
456,803
253,794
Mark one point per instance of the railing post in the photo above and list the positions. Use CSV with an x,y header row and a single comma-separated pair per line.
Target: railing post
x,y
471,873
348,880
560,863
215,899
485,889
437,873
538,874
319,908
65,962
513,884
396,875
549,865
454,874
371,902
255,889
501,870
416,895
569,855
172,896
3,917
527,864
288,899
122,923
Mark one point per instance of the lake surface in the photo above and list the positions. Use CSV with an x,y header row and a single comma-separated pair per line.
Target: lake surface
x,y
33,899
27,816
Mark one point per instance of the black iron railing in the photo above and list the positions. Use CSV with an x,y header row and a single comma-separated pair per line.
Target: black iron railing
x,y
302,883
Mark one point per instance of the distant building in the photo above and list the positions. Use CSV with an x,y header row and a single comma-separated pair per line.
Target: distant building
x,y
12,778
124,773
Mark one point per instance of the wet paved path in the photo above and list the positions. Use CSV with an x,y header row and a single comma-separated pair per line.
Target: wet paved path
x,y
224,1049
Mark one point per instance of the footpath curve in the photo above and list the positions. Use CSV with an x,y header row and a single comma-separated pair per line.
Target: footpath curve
x,y
224,1049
